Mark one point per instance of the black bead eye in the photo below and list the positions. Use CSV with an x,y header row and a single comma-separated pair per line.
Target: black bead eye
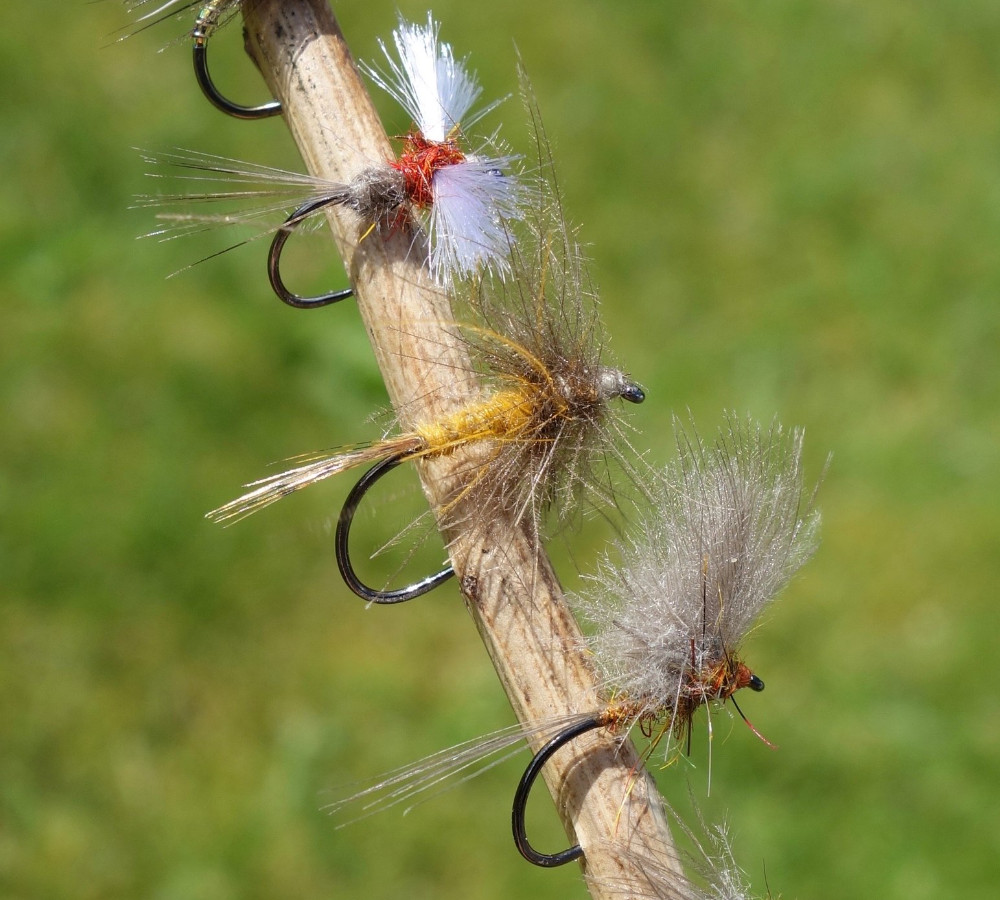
x,y
755,684
633,393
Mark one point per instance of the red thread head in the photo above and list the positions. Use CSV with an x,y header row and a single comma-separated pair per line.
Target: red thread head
x,y
721,681
419,161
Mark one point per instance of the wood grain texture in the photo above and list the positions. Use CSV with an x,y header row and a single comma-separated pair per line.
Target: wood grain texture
x,y
509,587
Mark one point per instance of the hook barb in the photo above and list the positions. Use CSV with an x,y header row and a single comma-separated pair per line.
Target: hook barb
x,y
546,860
372,595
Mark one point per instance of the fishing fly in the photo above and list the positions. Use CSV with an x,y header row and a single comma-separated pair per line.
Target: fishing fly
x,y
211,15
466,200
470,197
729,526
729,529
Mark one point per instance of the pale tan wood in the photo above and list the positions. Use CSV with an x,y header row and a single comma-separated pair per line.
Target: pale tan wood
x,y
510,590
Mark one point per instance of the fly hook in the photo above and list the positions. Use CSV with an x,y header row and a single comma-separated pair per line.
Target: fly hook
x,y
547,860
204,26
274,260
373,595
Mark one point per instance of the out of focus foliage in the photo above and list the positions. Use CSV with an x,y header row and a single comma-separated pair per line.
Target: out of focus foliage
x,y
793,210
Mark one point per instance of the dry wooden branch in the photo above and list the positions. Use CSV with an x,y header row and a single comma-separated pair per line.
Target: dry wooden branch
x,y
511,592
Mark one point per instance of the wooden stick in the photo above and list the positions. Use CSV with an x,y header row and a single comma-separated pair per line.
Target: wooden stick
x,y
510,590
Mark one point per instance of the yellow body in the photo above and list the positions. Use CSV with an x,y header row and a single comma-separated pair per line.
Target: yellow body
x,y
509,415
504,415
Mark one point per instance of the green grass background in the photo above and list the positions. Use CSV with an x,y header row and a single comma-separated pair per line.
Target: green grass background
x,y
794,210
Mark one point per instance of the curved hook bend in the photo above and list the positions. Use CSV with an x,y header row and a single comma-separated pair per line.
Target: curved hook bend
x,y
203,28
547,860
274,260
365,592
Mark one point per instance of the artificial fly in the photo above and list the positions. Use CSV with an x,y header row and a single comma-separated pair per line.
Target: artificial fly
x,y
467,200
525,416
544,420
729,528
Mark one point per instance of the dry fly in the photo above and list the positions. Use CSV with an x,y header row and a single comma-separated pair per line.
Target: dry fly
x,y
730,526
466,199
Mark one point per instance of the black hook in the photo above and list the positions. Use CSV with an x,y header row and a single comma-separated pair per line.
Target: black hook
x,y
274,260
343,533
204,25
547,860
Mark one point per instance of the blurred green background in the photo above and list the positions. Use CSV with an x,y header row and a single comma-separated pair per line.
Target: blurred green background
x,y
794,210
